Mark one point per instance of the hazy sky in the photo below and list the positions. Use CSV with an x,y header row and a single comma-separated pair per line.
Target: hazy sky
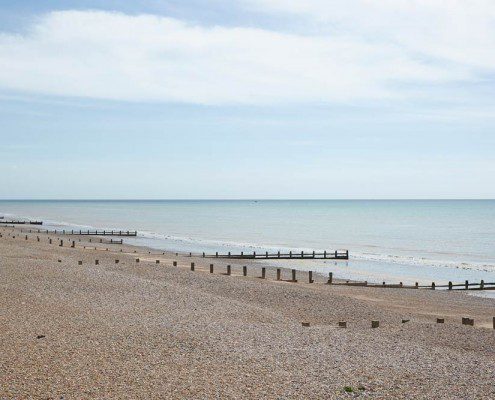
x,y
247,99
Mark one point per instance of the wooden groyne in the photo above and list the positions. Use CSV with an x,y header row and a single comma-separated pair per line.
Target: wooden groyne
x,y
326,255
85,233
22,222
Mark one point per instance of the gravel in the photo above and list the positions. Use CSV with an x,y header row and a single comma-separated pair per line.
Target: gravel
x,y
146,330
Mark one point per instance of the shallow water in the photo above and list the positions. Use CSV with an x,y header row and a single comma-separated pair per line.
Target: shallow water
x,y
413,240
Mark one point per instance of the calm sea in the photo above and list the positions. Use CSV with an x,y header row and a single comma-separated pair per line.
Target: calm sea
x,y
407,240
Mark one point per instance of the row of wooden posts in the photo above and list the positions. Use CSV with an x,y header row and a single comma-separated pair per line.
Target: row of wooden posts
x,y
341,324
83,233
482,285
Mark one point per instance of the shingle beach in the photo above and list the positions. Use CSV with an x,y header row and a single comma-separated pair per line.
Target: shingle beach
x,y
142,330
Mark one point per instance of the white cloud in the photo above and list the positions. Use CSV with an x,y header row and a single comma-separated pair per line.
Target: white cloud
x,y
457,31
147,58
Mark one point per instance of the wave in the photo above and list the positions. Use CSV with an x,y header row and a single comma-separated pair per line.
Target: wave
x,y
172,242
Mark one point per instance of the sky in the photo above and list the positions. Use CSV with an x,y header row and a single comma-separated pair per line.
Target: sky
x,y
247,99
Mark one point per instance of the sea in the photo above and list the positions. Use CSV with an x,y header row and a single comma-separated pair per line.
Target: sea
x,y
388,240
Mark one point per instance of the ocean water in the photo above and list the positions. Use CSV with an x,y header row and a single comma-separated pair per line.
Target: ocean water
x,y
407,240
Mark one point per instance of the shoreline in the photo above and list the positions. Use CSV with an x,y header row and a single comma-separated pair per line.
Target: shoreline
x,y
134,330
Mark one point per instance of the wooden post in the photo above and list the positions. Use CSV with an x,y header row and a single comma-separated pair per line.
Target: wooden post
x,y
302,254
157,261
37,238
493,322
73,245
174,263
190,254
375,324
401,284
294,276
330,278
192,266
466,285
440,320
79,262
433,286
61,243
116,261
342,324
26,237
306,324
211,268
450,285
203,254
310,277
263,276
482,284
290,254
254,254
313,254
325,254
216,254
335,255
229,253
266,254
50,241
137,260
97,262
278,254
244,270
278,274
229,270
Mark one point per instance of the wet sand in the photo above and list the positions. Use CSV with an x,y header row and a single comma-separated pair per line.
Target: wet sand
x,y
147,330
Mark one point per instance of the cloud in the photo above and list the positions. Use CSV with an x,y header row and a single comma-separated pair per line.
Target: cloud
x,y
455,31
104,55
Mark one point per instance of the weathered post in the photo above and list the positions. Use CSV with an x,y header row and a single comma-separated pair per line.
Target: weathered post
x,y
263,276
50,241
266,254
244,270
116,261
290,254
325,254
192,266
216,254
466,285
278,254
482,284
37,238
97,262
229,270
278,274
137,260
294,276
26,237
61,243
450,285
157,261
330,278
310,277
375,324
342,324
203,254
433,286
440,320
174,263
73,245
79,262
211,268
